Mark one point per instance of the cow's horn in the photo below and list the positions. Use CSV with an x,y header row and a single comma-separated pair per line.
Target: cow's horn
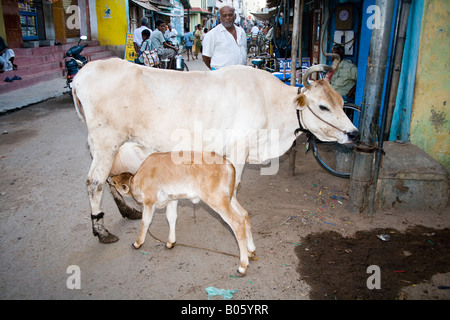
x,y
336,59
311,70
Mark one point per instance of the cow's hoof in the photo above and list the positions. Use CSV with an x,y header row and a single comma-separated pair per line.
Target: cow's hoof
x,y
108,238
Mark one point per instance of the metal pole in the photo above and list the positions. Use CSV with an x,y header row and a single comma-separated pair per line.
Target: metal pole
x,y
296,44
361,177
296,39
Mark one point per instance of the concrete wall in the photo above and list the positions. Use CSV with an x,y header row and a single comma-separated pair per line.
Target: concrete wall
x,y
430,125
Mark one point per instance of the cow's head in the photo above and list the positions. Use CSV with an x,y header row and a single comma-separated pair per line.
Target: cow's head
x,y
321,109
122,183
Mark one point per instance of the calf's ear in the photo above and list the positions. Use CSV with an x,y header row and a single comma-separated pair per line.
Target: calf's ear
x,y
301,101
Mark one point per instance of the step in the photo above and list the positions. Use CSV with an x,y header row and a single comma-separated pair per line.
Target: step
x,y
45,63
25,58
32,69
100,55
29,80
410,178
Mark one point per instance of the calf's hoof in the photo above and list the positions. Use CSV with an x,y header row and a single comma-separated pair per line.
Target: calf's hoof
x,y
170,245
241,272
108,238
135,246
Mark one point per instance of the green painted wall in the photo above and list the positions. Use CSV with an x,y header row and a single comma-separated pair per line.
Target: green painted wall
x,y
430,125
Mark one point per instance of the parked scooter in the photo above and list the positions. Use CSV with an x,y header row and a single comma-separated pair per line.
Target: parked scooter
x,y
76,61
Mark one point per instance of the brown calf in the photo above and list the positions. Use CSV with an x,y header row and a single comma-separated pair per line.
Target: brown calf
x,y
163,178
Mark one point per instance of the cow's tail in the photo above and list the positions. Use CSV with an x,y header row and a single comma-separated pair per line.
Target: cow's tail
x,y
78,106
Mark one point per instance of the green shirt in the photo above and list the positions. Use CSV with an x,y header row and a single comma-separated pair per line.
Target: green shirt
x,y
157,39
344,78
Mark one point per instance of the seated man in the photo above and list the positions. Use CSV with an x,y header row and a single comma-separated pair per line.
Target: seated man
x,y
164,49
344,79
6,57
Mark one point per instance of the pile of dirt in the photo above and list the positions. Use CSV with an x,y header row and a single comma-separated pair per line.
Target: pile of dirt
x,y
337,267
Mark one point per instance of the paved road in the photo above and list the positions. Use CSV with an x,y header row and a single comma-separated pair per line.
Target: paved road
x,y
47,247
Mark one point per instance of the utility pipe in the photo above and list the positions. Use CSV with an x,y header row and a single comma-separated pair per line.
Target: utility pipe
x,y
361,177
404,17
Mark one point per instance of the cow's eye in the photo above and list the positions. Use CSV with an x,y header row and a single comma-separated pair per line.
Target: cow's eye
x,y
323,108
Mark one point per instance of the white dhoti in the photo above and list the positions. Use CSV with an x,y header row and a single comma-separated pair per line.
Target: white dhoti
x,y
5,63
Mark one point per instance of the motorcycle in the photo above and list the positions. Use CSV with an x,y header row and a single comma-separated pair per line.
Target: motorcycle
x,y
76,61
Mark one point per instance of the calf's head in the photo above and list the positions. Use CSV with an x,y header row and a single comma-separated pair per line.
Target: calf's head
x,y
321,110
122,183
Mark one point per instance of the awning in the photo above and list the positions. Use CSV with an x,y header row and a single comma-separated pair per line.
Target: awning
x,y
198,10
170,14
263,16
145,4
186,4
162,3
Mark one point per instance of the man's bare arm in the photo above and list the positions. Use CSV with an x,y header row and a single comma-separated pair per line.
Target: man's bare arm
x,y
207,61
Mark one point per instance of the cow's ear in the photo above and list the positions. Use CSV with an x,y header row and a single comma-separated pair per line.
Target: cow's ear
x,y
301,100
125,188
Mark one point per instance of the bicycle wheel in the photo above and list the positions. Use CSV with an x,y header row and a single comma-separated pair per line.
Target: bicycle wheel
x,y
185,67
333,157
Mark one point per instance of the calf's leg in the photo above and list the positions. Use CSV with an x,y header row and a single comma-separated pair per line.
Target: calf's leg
x,y
171,213
147,216
251,248
236,223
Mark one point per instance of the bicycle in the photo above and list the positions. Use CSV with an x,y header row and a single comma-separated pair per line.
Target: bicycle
x,y
176,62
333,157
267,62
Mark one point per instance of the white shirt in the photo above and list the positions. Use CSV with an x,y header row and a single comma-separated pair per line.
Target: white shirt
x,y
220,46
171,35
255,31
137,35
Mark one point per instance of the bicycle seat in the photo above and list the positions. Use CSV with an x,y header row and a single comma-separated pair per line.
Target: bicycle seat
x,y
257,62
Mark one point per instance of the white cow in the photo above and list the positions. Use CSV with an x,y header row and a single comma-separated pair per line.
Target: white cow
x,y
239,112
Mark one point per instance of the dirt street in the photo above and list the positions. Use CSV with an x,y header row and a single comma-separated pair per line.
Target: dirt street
x,y
45,228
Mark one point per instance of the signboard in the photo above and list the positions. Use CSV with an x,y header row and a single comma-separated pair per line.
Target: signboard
x,y
130,53
306,63
287,62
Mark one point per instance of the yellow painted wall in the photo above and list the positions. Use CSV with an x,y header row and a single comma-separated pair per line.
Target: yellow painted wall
x,y
430,119
2,24
112,22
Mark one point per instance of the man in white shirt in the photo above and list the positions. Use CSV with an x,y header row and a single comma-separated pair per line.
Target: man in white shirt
x,y
226,44
137,36
171,34
255,31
